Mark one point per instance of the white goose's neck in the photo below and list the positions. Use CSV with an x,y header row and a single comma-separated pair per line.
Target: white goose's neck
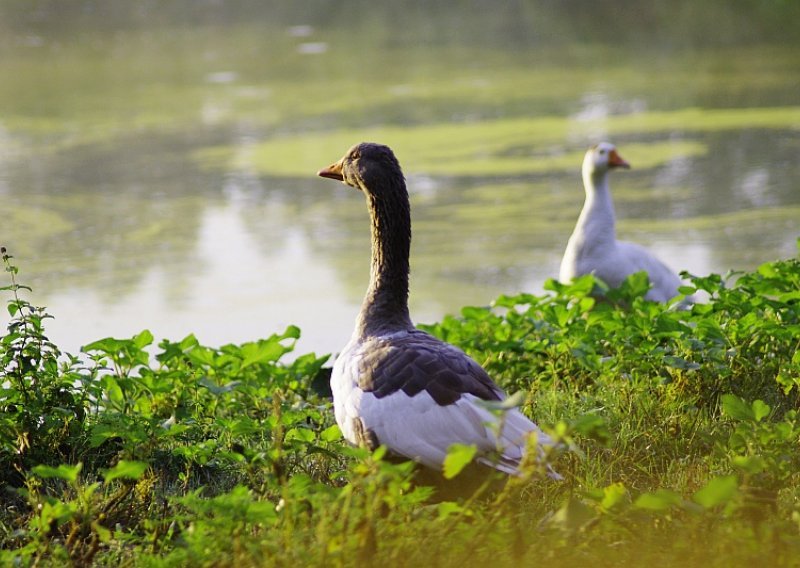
x,y
597,220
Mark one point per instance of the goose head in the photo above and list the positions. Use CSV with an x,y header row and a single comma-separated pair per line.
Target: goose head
x,y
601,158
369,167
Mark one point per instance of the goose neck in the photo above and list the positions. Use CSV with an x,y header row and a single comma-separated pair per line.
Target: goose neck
x,y
385,306
597,217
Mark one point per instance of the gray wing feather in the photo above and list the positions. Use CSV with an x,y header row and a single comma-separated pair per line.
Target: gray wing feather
x,y
416,362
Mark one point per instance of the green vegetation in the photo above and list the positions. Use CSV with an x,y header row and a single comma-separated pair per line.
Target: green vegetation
x,y
680,429
495,147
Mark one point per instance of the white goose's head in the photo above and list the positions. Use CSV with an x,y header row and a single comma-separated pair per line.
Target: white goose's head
x,y
601,158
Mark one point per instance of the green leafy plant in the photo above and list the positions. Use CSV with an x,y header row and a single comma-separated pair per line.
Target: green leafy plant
x,y
672,424
44,396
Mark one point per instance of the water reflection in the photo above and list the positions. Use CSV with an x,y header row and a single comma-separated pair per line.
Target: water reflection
x,y
236,290
134,198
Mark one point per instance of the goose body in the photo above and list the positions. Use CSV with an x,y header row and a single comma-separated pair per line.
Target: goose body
x,y
396,385
593,246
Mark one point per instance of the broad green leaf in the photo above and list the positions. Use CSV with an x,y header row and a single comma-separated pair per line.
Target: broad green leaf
x,y
718,491
710,329
241,426
262,352
447,508
737,408
636,284
188,341
379,452
586,304
458,457
108,345
292,332
54,512
64,471
302,434
171,429
331,434
144,339
613,495
659,500
760,410
112,389
102,432
475,312
580,286
203,356
102,532
768,270
787,382
125,470
789,296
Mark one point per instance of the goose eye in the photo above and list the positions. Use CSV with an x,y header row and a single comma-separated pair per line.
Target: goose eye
x,y
602,152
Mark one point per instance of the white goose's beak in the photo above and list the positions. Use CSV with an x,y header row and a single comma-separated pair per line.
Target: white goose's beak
x,y
616,161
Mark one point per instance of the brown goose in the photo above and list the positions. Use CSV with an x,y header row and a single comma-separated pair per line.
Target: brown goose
x,y
593,246
392,383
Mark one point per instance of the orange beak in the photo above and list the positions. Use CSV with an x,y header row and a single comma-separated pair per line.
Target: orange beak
x,y
334,171
616,161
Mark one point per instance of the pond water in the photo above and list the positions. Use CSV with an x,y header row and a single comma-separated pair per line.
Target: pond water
x,y
157,160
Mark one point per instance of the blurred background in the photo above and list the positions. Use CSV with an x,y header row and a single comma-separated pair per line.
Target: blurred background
x,y
158,158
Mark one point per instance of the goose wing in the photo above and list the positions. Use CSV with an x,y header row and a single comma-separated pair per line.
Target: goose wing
x,y
415,361
419,395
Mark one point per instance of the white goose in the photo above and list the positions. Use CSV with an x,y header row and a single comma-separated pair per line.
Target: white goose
x,y
593,246
392,383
